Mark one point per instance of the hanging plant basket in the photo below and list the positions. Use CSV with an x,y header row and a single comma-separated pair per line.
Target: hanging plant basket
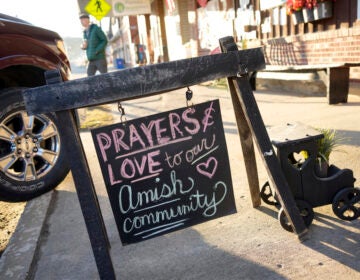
x,y
323,10
297,17
308,15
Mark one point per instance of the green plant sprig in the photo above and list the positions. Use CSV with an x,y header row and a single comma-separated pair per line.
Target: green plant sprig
x,y
329,143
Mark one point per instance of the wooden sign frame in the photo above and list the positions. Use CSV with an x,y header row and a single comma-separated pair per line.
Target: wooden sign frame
x,y
132,83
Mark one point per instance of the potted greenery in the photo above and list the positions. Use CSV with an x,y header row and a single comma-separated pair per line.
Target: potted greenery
x,y
326,145
309,10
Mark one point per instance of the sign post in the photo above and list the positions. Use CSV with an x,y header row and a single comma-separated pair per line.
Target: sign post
x,y
243,96
84,186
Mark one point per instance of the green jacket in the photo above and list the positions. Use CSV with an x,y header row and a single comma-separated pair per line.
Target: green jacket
x,y
97,41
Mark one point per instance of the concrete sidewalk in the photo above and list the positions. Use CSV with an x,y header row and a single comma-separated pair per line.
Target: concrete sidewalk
x,y
51,241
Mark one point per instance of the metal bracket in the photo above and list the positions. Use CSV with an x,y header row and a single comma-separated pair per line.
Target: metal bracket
x,y
188,95
243,71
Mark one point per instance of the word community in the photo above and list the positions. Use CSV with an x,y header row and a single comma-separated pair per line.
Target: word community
x,y
162,171
165,207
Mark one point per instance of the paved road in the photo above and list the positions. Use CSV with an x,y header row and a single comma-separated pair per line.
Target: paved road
x,y
248,245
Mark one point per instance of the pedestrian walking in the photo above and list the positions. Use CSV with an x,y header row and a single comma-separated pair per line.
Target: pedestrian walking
x,y
94,42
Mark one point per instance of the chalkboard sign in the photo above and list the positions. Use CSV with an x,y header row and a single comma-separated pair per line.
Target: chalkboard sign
x,y
167,171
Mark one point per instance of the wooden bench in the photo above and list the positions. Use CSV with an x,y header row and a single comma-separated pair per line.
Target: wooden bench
x,y
334,77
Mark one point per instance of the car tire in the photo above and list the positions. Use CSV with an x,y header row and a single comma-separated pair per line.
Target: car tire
x,y
31,158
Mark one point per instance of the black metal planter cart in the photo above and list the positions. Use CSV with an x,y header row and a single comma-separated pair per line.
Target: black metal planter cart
x,y
309,189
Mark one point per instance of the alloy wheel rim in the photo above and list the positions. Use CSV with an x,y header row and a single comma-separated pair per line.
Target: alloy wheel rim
x,y
29,146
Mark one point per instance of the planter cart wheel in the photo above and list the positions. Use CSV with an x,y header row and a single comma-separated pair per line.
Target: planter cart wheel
x,y
306,212
267,195
346,204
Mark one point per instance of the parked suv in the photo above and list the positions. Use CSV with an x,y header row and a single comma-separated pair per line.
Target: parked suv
x,y
31,158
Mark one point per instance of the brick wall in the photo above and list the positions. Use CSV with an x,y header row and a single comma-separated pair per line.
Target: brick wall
x,y
332,46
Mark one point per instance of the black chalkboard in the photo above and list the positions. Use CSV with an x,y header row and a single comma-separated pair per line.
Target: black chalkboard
x,y
167,171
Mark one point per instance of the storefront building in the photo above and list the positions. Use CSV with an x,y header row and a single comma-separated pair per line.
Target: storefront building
x,y
290,31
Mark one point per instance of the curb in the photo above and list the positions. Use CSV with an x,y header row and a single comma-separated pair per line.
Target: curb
x,y
20,254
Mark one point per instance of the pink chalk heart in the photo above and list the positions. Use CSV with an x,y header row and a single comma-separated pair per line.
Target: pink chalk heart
x,y
208,168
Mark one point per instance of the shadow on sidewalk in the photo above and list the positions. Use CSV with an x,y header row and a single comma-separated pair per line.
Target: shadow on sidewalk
x,y
335,238
185,255
65,252
351,137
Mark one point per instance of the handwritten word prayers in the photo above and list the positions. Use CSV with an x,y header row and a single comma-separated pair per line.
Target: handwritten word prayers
x,y
166,171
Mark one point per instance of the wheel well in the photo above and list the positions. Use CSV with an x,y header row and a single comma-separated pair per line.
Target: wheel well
x,y
21,76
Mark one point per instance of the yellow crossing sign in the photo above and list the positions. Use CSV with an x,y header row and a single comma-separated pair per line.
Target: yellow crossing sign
x,y
98,8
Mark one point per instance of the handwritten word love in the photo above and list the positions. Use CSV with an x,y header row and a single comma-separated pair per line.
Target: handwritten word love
x,y
134,166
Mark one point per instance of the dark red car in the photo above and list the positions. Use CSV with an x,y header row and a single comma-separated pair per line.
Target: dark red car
x,y
31,158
